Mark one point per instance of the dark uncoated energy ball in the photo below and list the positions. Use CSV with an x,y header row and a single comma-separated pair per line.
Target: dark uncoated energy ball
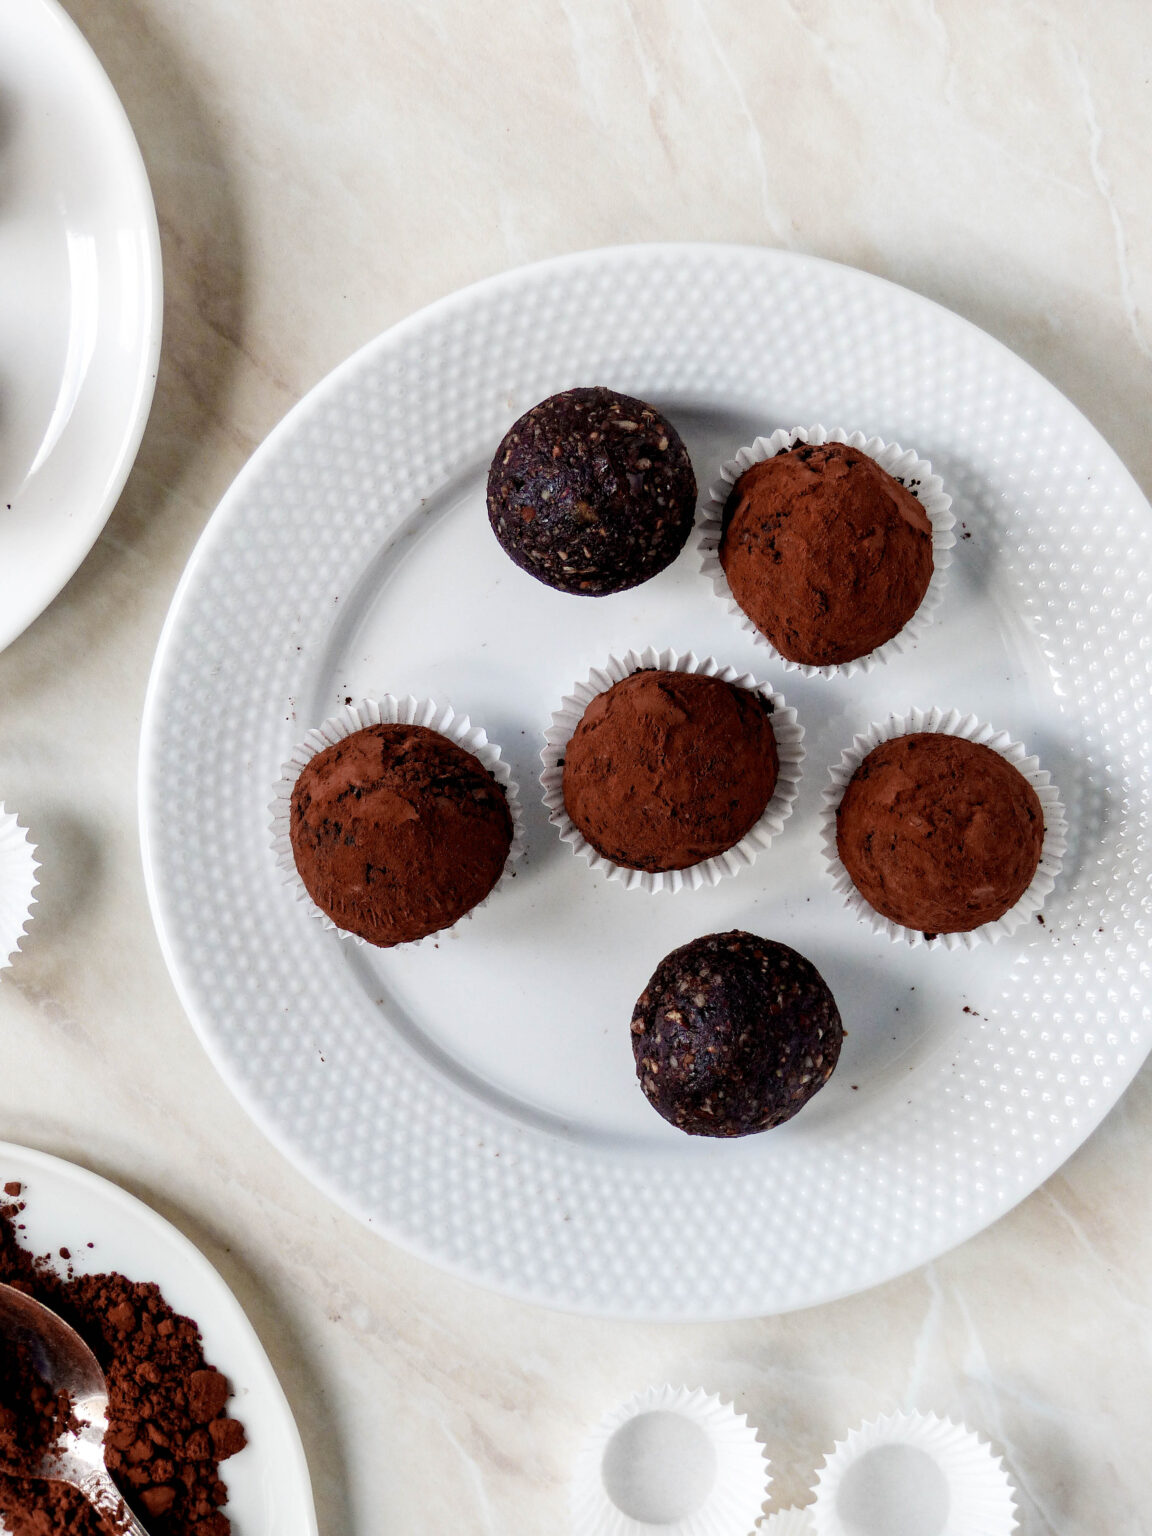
x,y
734,1034
592,492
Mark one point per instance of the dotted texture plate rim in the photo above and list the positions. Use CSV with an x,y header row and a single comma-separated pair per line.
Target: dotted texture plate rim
x,y
555,1219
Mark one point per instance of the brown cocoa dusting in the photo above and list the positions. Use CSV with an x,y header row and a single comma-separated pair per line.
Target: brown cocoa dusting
x,y
167,1426
667,769
827,553
939,833
397,832
32,1416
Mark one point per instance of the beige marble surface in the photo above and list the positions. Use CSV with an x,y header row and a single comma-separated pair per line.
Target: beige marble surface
x,y
322,171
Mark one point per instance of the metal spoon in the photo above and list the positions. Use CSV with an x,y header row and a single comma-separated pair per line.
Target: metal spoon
x,y
68,1365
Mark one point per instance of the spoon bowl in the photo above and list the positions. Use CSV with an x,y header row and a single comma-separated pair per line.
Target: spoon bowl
x,y
66,1364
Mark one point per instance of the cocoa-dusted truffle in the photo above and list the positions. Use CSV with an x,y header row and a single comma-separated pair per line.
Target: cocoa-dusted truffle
x,y
592,492
827,553
667,769
398,832
734,1034
938,833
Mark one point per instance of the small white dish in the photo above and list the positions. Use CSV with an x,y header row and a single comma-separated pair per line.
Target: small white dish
x,y
269,1490
80,305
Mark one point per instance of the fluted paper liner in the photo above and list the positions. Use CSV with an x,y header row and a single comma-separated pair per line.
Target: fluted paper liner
x,y
18,866
789,1522
979,1492
902,464
969,728
387,710
786,728
730,1508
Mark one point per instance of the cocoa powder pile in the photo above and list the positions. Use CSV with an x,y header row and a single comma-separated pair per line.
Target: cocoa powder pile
x,y
32,1416
167,1428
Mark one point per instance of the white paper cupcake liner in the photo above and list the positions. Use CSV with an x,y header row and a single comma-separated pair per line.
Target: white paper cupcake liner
x,y
18,866
789,1522
672,1460
951,723
903,465
387,711
789,734
910,1472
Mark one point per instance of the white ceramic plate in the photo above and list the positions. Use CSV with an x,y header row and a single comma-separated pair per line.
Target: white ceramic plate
x,y
269,1492
80,304
475,1099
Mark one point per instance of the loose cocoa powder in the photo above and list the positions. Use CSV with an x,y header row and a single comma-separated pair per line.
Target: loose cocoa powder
x,y
32,1416
167,1428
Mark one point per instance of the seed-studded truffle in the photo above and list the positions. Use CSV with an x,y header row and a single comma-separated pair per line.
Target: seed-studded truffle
x,y
592,492
666,769
734,1034
398,832
939,833
827,553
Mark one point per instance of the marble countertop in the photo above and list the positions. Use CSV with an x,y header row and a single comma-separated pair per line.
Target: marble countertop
x,y
321,172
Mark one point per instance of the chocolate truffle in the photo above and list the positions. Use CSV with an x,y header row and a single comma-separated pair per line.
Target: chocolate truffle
x,y
826,552
667,769
398,832
592,492
734,1034
938,833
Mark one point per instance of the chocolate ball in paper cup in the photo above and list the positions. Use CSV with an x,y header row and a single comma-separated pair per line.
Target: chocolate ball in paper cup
x,y
672,1459
667,772
395,819
913,1473
937,828
18,866
830,547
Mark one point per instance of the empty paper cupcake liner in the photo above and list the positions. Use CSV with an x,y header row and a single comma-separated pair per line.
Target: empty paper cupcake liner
x,y
786,728
789,1522
671,1460
387,711
18,866
903,465
911,1472
951,723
